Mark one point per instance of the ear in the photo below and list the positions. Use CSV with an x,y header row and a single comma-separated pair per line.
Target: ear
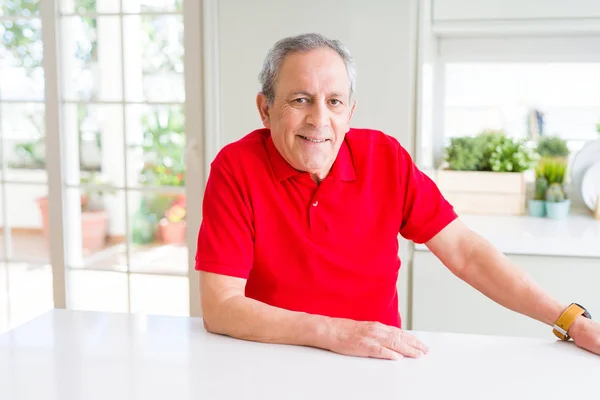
x,y
351,111
262,103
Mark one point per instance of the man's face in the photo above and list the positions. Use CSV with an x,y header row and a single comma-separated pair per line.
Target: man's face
x,y
311,112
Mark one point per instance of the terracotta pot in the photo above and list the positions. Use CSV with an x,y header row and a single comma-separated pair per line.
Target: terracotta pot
x,y
172,232
94,226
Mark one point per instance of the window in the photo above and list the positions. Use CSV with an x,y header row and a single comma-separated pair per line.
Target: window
x,y
524,100
122,170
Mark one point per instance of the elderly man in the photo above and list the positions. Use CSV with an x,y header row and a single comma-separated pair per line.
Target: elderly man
x,y
299,239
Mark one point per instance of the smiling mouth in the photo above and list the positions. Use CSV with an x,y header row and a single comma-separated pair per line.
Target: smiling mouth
x,y
314,140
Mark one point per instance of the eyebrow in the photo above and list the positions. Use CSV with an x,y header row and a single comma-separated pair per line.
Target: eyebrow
x,y
334,94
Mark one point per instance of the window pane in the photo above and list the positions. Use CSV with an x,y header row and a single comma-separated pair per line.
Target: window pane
x,y
158,226
30,287
156,145
90,6
136,6
22,8
26,222
23,141
91,49
507,96
95,228
163,295
21,73
3,298
97,291
94,144
154,58
2,230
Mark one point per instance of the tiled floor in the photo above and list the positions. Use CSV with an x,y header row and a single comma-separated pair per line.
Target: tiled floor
x,y
98,284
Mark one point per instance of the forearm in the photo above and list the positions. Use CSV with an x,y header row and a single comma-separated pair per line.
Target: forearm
x,y
497,277
248,319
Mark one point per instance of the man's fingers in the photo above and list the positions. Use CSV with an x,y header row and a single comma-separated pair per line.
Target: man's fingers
x,y
378,350
414,342
406,344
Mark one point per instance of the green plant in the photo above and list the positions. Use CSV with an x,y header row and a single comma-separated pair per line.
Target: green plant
x,y
541,185
552,146
490,151
541,182
462,154
30,154
93,195
554,170
163,147
555,193
504,154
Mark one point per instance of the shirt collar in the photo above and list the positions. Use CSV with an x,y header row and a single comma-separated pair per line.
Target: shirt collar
x,y
342,169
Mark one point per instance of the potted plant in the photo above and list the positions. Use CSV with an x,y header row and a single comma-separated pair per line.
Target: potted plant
x,y
172,226
537,205
552,147
94,218
486,173
557,203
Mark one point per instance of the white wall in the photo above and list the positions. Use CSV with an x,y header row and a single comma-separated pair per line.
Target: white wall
x,y
377,33
380,34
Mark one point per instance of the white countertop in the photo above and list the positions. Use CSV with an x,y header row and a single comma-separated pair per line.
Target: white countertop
x,y
71,355
578,235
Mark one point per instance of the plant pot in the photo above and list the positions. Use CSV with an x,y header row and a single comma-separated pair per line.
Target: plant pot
x,y
482,192
94,226
558,210
172,232
537,208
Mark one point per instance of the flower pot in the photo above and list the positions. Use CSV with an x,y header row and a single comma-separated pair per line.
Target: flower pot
x,y
558,210
537,208
94,226
172,232
483,192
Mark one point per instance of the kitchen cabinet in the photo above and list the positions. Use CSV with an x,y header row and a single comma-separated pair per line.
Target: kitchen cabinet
x,y
461,10
443,302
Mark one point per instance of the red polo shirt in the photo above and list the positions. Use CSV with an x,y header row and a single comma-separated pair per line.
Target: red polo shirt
x,y
328,249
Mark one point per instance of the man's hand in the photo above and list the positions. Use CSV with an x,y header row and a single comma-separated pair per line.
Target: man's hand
x,y
372,339
586,334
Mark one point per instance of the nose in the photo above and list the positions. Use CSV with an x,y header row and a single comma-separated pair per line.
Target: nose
x,y
318,115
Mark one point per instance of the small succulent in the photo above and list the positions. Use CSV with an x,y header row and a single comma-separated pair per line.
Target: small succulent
x,y
555,193
541,186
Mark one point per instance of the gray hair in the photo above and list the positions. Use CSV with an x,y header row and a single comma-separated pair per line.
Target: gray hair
x,y
301,43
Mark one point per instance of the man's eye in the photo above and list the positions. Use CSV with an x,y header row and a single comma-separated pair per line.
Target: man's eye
x,y
300,100
336,102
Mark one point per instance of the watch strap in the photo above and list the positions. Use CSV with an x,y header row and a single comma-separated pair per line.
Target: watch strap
x,y
566,319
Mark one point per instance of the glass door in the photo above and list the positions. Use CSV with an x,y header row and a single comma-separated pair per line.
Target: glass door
x,y
96,157
25,272
123,120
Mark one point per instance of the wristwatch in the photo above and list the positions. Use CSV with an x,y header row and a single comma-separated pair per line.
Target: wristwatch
x,y
566,319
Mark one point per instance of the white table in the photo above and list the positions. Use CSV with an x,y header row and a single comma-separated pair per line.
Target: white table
x,y
70,355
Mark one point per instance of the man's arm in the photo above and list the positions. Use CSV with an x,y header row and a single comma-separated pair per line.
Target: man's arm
x,y
227,311
474,260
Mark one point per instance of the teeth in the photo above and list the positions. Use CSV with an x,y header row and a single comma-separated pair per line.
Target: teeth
x,y
313,140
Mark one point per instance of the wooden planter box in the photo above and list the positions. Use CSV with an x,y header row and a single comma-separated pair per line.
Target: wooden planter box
x,y
474,192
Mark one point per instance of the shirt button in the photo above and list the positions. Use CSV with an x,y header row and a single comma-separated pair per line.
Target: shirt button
x,y
316,203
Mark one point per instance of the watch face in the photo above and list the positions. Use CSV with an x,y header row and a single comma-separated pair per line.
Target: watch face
x,y
586,313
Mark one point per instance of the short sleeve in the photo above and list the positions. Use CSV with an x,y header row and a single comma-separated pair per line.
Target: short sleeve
x,y
226,235
425,211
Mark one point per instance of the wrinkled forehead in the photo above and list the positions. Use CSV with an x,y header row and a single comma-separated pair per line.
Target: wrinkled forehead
x,y
320,71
